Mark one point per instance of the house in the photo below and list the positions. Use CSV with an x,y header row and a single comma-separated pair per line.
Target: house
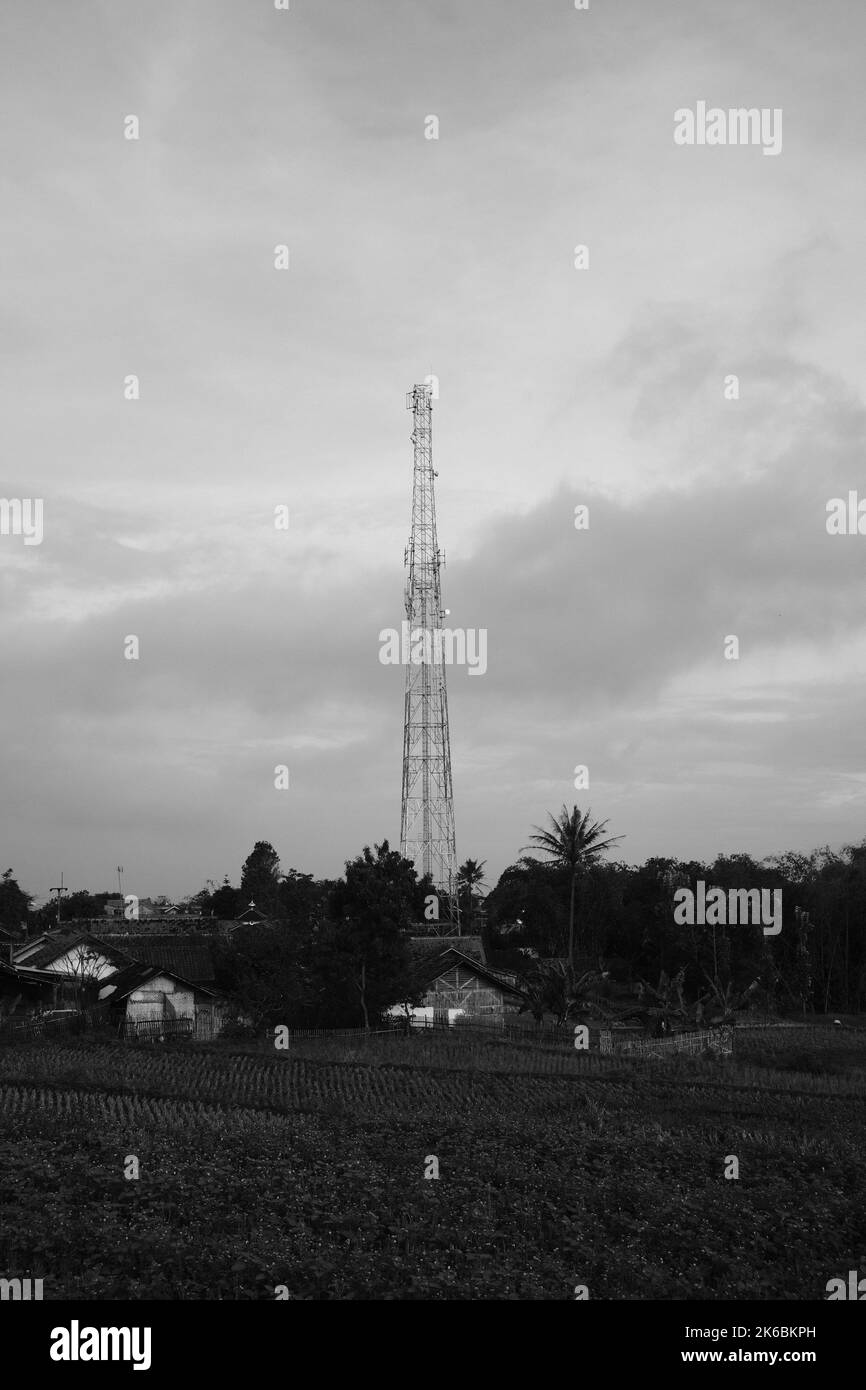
x,y
251,916
150,978
145,998
76,960
458,986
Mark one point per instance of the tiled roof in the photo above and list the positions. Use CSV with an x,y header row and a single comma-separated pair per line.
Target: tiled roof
x,y
56,944
424,948
187,956
32,945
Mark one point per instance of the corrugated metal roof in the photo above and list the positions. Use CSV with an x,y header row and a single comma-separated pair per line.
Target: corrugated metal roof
x,y
134,976
116,986
439,964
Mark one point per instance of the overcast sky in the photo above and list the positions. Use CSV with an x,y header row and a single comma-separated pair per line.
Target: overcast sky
x,y
557,386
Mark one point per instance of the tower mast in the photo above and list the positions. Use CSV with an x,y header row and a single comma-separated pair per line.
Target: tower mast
x,y
427,819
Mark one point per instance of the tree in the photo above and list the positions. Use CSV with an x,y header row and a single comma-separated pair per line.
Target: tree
x,y
724,1000
82,905
304,900
573,842
87,966
79,906
200,904
225,903
14,902
469,877
263,972
366,944
425,889
549,988
260,879
526,908
665,1009
802,982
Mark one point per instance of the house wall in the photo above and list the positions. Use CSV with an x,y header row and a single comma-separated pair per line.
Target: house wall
x,y
143,1005
165,998
161,997
71,964
459,989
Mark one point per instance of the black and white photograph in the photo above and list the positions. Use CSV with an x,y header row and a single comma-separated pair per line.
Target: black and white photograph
x,y
433,645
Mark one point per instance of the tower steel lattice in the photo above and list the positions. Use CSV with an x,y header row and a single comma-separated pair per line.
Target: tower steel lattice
x,y
427,819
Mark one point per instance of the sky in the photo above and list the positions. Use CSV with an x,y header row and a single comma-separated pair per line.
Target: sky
x,y
605,386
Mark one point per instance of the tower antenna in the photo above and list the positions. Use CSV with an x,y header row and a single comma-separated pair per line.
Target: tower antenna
x,y
427,813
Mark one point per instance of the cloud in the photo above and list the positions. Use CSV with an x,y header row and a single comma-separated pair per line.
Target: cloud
x,y
558,387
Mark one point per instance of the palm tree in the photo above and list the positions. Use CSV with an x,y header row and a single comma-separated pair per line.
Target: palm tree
x,y
573,842
470,875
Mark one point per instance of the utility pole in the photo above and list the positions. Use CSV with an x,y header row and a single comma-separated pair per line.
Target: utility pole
x,y
427,811
59,891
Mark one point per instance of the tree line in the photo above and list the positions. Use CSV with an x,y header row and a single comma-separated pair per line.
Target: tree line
x,y
618,920
576,927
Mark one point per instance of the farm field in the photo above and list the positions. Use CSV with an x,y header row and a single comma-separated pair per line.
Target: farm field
x,y
306,1170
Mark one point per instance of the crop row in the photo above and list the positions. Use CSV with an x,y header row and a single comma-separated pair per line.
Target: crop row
x,y
120,1112
232,1202
299,1083
295,1084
